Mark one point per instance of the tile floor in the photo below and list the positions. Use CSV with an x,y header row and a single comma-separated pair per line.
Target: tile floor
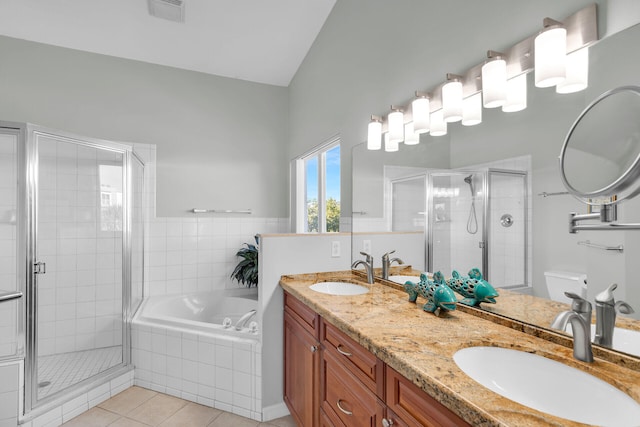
x,y
140,407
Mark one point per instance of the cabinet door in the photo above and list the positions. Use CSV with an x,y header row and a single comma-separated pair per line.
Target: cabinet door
x,y
345,399
415,407
301,373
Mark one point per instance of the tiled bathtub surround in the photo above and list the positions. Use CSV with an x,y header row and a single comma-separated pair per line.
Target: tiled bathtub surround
x,y
217,371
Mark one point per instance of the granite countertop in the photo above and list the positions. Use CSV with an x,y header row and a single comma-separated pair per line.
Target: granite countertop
x,y
421,346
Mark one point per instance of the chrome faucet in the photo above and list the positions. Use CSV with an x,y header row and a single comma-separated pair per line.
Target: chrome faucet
x,y
580,318
244,319
368,265
386,264
606,309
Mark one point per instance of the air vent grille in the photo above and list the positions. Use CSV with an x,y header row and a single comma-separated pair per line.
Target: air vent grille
x,y
172,10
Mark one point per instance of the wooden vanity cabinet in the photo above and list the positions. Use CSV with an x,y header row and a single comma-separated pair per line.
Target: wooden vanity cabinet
x,y
302,362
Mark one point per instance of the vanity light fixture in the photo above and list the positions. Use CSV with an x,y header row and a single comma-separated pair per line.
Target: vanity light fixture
x,y
374,134
516,94
550,54
438,125
410,137
452,99
494,80
389,145
420,109
472,110
395,120
577,77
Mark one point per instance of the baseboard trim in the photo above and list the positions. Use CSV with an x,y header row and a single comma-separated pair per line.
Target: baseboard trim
x,y
275,411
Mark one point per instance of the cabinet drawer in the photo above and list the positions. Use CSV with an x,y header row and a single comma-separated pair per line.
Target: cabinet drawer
x,y
344,398
306,317
414,406
362,363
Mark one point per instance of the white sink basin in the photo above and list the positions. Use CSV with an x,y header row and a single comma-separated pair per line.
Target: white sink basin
x,y
339,288
403,279
625,340
548,386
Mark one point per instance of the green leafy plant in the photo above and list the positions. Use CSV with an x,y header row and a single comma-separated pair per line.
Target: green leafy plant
x,y
246,272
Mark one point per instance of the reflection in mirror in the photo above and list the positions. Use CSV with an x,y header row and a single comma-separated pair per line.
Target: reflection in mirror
x,y
601,153
531,139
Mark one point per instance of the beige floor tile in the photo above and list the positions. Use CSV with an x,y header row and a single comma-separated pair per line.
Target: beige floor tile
x,y
227,419
128,400
192,415
94,417
157,409
280,422
127,422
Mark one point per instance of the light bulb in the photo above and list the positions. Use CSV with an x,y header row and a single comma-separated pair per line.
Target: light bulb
x,y
452,101
494,83
374,134
410,137
577,76
516,94
438,125
550,53
420,109
396,125
472,110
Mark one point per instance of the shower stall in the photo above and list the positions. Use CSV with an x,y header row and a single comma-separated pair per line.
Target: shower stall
x,y
74,209
479,218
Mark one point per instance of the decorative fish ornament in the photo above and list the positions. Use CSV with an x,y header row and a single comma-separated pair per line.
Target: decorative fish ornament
x,y
438,294
473,288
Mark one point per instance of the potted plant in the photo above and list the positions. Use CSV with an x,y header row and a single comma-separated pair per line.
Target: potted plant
x,y
246,272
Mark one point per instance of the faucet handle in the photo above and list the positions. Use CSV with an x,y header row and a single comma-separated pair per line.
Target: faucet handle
x,y
386,256
579,304
368,258
606,296
624,308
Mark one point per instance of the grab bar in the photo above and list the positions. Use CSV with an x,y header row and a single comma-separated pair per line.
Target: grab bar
x,y
244,319
9,295
588,243
245,211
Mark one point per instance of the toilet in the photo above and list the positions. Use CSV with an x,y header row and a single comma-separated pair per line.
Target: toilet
x,y
559,282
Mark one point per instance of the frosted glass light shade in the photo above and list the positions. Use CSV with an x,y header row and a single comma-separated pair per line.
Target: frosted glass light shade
x,y
389,145
396,126
472,110
452,101
438,125
410,137
374,135
494,83
420,108
550,53
577,76
516,94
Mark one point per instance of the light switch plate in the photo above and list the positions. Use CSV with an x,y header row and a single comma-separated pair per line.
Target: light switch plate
x,y
366,246
335,249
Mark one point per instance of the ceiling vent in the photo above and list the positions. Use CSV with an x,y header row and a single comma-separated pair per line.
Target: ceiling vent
x,y
172,10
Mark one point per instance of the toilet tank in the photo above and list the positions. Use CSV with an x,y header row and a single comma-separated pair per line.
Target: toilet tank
x,y
559,282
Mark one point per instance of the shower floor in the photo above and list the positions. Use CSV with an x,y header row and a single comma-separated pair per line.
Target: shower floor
x,y
59,371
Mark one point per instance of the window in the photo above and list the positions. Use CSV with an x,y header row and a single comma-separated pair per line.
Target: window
x,y
318,190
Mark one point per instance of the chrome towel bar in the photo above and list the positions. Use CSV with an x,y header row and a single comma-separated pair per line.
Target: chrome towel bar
x,y
588,243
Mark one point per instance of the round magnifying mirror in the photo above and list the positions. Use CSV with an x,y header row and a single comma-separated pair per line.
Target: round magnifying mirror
x,y
600,158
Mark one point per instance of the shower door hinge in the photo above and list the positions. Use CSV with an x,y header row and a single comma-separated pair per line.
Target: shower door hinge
x,y
39,268
481,245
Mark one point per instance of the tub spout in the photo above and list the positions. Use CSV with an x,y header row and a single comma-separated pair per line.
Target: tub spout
x,y
244,319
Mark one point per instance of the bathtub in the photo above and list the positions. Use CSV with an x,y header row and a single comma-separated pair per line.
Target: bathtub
x,y
180,347
204,312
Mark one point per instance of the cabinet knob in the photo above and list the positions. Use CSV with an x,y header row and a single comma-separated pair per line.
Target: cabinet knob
x,y
313,348
387,422
345,353
342,409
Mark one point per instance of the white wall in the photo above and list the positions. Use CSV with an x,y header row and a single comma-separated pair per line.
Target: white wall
x,y
220,141
280,255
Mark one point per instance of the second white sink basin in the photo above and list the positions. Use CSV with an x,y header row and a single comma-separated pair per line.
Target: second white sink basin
x,y
339,288
548,386
624,340
403,279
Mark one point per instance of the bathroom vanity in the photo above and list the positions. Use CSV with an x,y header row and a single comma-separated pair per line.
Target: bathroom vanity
x,y
376,359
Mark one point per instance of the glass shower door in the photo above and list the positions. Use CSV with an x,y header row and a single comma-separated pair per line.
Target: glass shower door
x,y
456,222
78,271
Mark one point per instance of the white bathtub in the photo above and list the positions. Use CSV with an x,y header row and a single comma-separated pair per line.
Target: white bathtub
x,y
203,311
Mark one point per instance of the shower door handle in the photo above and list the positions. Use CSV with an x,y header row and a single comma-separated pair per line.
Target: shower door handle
x,y
481,245
40,268
9,295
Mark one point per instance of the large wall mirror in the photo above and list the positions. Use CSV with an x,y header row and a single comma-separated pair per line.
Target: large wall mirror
x,y
491,196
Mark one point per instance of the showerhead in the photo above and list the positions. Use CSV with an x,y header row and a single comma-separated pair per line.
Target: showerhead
x,y
468,179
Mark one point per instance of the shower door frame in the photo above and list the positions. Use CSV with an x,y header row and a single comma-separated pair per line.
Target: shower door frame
x,y
29,326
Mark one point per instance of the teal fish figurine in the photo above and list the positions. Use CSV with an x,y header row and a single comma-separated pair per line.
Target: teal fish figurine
x,y
438,294
473,288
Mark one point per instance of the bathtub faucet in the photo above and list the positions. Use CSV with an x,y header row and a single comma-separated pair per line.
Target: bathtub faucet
x,y
244,319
